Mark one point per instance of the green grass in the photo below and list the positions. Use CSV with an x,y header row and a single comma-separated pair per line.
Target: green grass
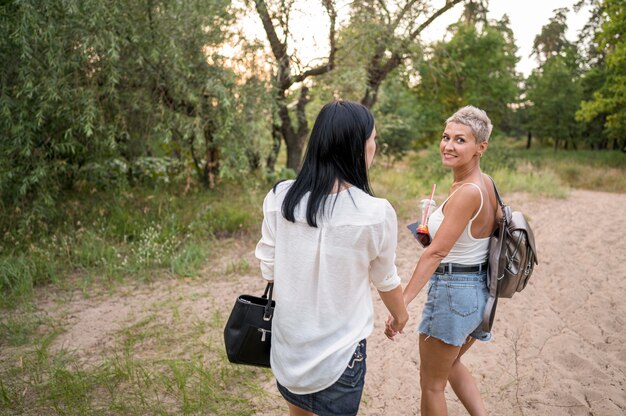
x,y
584,169
48,382
21,329
538,171
595,171
149,369
164,364
106,238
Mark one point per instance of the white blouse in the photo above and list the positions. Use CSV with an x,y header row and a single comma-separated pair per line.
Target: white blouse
x,y
321,282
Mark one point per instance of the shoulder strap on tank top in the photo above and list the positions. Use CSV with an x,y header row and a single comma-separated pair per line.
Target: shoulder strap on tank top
x,y
481,199
481,202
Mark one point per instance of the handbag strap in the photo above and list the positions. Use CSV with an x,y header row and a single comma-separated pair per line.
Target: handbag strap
x,y
268,289
268,312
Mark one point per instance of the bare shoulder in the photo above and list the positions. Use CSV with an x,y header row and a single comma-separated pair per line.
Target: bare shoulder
x,y
469,191
466,197
488,187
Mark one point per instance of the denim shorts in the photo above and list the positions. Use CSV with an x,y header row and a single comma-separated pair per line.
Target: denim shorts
x,y
342,398
454,308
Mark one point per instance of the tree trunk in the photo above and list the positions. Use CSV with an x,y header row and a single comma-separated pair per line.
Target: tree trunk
x,y
370,97
530,137
285,77
295,137
295,147
276,139
292,141
378,68
376,74
212,156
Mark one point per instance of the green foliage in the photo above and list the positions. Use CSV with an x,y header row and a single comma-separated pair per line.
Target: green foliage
x,y
397,120
100,94
551,41
555,92
282,174
609,100
107,237
594,133
476,67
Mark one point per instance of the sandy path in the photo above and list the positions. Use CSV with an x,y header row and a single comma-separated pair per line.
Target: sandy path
x,y
558,347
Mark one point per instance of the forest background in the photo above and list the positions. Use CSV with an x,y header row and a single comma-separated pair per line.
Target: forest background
x,y
139,138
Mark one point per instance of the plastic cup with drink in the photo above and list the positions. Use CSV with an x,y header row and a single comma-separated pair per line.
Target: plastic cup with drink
x,y
421,233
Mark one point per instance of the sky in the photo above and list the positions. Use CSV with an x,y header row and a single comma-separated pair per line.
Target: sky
x,y
526,17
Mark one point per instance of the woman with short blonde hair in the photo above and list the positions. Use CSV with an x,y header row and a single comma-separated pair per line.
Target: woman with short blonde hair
x,y
455,266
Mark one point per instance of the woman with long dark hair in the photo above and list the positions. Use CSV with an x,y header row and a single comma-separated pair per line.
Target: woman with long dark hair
x,y
325,237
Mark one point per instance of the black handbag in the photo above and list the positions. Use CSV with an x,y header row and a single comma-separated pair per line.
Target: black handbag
x,y
248,332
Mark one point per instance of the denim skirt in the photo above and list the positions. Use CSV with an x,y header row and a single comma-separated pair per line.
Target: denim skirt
x,y
342,398
454,307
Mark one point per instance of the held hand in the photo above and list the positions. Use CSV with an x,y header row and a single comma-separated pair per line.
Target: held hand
x,y
394,327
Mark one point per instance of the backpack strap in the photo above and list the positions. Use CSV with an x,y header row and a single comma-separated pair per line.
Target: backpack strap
x,y
506,210
496,254
495,188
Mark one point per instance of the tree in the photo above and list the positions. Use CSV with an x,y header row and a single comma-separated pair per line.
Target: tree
x,y
609,100
476,66
555,93
389,29
397,116
554,89
84,83
288,72
551,41
379,37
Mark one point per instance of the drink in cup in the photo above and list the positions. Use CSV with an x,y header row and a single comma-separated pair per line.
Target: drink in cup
x,y
427,206
423,235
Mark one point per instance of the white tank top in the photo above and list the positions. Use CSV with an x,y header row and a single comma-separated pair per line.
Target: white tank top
x,y
467,249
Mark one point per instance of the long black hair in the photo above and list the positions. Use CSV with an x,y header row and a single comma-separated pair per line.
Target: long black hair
x,y
335,152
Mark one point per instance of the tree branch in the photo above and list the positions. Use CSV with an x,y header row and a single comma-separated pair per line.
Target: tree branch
x,y
400,16
329,5
449,4
279,49
378,69
383,6
397,55
303,100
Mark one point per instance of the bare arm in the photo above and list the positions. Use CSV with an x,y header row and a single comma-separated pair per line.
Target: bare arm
x,y
458,211
394,302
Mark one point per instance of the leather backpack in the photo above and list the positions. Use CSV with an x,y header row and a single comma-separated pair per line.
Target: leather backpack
x,y
512,258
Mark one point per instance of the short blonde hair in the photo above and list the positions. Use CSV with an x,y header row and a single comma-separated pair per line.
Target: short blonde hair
x,y
474,118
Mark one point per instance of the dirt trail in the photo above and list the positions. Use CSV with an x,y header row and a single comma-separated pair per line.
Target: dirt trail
x,y
558,347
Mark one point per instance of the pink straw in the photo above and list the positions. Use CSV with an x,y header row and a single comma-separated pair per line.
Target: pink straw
x,y
432,194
